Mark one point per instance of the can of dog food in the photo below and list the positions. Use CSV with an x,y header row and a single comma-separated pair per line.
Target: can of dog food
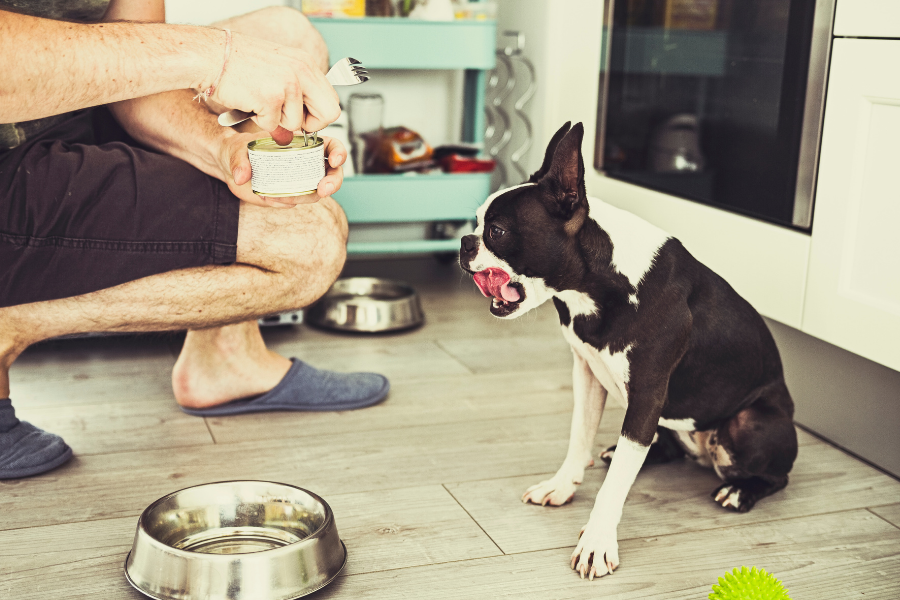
x,y
292,170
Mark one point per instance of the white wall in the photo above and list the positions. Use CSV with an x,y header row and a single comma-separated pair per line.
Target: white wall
x,y
527,17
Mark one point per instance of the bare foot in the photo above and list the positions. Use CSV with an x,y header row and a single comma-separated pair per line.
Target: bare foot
x,y
224,364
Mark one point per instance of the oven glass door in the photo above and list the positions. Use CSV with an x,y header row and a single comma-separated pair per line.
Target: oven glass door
x,y
705,99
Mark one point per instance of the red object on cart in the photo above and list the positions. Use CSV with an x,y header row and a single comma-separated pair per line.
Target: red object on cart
x,y
456,163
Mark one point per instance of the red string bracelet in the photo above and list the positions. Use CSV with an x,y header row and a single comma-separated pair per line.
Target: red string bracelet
x,y
209,91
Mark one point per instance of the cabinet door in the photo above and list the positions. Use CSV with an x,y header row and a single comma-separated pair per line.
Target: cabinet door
x,y
867,18
853,288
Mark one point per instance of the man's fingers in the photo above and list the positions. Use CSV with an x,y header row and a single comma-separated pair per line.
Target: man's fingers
x,y
322,104
240,166
326,188
331,183
335,151
268,121
292,110
241,174
312,122
334,174
336,159
282,136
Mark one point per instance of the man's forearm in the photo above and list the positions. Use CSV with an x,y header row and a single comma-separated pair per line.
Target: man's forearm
x,y
66,66
171,123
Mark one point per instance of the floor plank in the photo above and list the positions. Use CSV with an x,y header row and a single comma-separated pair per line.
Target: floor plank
x,y
418,402
37,553
326,461
398,359
394,529
102,371
383,531
532,353
890,513
828,557
671,498
119,427
479,409
116,485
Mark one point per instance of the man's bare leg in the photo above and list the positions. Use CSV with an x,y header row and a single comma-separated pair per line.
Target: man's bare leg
x,y
237,287
286,258
223,363
220,364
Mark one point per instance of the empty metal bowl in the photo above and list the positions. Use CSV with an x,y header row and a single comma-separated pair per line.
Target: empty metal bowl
x,y
235,540
368,304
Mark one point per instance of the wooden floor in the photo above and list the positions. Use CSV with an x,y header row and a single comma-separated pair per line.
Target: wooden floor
x,y
426,486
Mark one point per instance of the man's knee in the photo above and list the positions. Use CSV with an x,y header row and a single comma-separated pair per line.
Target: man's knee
x,y
318,276
339,215
287,26
305,246
333,242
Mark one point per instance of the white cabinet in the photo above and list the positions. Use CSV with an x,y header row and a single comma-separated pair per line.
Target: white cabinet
x,y
867,18
853,285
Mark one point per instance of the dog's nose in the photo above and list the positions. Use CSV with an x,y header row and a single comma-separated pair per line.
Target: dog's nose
x,y
468,244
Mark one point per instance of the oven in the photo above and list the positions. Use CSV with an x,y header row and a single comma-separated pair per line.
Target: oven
x,y
716,101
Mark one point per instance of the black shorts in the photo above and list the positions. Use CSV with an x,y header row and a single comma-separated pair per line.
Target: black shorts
x,y
84,208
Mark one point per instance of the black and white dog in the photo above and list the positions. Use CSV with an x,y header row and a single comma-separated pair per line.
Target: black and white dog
x,y
692,362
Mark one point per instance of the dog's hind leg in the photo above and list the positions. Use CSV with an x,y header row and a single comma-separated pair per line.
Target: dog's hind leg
x,y
590,398
754,451
665,448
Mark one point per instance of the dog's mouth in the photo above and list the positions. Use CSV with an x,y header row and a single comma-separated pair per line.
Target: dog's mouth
x,y
495,283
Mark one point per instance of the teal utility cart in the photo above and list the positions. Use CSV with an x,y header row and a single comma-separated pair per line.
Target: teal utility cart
x,y
399,43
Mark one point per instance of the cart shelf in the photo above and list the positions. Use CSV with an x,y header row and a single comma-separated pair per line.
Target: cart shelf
x,y
399,43
412,198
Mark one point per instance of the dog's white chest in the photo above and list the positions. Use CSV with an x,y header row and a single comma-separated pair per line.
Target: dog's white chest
x,y
611,369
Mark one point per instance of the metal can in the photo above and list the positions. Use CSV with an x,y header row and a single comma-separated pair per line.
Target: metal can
x,y
292,170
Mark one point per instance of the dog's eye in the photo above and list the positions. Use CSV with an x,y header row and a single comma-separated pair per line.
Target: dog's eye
x,y
495,232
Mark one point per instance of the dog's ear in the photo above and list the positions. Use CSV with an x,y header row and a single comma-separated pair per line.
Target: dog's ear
x,y
548,156
565,181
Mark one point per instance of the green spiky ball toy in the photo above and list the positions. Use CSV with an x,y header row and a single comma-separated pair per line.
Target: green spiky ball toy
x,y
748,584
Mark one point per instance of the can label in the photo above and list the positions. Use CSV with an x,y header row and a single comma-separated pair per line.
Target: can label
x,y
291,170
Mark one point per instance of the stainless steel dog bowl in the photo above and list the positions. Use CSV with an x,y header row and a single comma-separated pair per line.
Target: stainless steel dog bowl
x,y
235,540
368,304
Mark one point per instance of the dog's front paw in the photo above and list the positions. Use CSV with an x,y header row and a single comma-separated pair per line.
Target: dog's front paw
x,y
597,552
735,496
555,492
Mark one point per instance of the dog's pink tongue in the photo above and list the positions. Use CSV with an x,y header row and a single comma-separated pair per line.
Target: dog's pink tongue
x,y
494,283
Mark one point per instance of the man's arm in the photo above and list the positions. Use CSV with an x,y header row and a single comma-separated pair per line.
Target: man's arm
x,y
65,66
171,123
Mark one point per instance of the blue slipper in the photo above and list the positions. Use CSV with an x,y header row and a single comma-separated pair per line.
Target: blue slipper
x,y
26,450
307,388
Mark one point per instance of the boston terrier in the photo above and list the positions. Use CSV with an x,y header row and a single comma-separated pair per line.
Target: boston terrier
x,y
691,361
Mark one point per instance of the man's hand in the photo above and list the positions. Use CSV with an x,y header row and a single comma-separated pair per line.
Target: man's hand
x,y
283,86
234,160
